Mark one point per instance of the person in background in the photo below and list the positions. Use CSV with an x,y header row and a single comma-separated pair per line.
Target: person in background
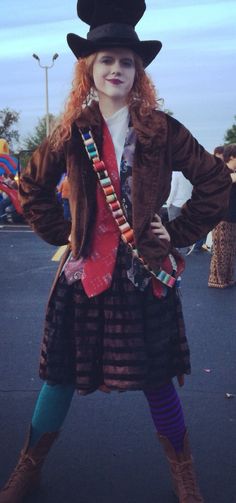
x,y
181,190
6,202
64,190
219,152
201,244
114,319
224,235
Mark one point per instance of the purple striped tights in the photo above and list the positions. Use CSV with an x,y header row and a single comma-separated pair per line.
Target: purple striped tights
x,y
167,414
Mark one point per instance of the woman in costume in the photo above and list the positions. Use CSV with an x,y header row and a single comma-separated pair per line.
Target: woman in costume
x,y
114,318
224,235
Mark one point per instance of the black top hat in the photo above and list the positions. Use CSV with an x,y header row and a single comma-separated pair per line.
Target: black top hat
x,y
112,24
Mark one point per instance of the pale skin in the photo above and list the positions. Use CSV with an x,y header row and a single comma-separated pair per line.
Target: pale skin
x,y
233,177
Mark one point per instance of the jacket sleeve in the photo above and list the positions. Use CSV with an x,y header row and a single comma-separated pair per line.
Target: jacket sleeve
x,y
211,182
37,190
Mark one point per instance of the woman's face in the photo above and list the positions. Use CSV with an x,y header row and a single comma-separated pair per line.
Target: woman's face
x,y
113,74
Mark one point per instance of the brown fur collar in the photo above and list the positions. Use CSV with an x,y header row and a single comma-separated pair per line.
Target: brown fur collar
x,y
151,129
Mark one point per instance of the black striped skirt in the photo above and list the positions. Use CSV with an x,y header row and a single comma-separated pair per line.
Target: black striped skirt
x,y
124,338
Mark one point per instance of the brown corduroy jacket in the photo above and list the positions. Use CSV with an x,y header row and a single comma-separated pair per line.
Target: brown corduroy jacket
x,y
163,145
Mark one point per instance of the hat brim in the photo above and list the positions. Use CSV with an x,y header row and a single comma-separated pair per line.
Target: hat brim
x,y
81,47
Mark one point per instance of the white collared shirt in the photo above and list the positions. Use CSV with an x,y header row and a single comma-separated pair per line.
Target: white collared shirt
x,y
118,125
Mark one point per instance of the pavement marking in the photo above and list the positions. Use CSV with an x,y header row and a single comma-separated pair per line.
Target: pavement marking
x,y
57,256
15,230
13,227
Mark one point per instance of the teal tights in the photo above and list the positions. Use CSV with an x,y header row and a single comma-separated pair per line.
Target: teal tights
x,y
54,401
51,409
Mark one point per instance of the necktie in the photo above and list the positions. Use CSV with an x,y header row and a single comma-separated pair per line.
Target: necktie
x,y
99,266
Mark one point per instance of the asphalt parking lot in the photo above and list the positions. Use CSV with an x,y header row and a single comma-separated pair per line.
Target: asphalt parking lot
x,y
108,451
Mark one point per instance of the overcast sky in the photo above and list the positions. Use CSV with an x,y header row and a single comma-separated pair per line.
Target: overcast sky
x,y
194,73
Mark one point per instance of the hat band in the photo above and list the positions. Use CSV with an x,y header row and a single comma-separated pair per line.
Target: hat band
x,y
114,31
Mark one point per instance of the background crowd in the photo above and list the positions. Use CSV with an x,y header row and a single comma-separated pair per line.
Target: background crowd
x,y
222,241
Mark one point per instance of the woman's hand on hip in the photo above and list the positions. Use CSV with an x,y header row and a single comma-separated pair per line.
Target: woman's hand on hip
x,y
159,229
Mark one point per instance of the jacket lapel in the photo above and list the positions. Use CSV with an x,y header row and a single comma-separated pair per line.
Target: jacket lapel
x,y
151,181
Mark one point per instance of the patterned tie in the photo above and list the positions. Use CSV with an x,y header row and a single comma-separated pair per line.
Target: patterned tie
x,y
99,266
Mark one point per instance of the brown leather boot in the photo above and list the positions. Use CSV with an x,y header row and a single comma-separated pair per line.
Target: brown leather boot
x,y
182,471
26,475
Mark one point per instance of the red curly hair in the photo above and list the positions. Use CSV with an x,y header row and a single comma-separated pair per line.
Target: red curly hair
x,y
142,97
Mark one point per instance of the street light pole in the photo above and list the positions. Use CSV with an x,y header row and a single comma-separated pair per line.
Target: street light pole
x,y
46,68
47,107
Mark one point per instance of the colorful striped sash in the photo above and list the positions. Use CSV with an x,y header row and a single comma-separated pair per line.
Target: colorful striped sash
x,y
127,233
